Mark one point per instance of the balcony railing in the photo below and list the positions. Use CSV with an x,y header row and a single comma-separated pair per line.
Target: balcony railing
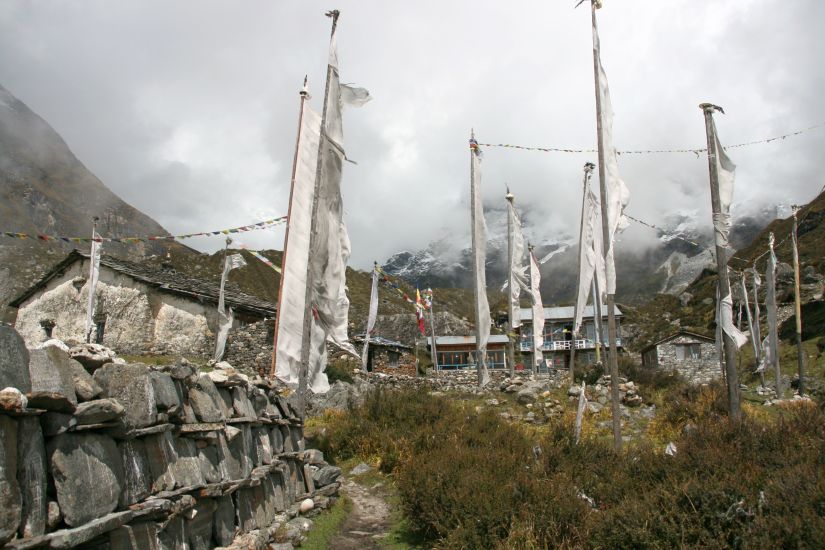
x,y
563,345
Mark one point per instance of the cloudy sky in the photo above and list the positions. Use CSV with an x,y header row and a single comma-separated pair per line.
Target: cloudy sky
x,y
188,109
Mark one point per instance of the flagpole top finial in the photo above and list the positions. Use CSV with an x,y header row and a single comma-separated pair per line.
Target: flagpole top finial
x,y
710,108
509,196
305,89
589,167
228,241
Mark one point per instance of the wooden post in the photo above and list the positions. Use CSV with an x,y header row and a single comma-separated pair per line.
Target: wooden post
x,y
510,283
433,350
480,361
92,252
611,299
535,328
304,93
597,318
731,376
800,352
588,168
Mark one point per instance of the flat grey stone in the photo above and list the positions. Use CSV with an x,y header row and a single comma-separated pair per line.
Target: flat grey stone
x,y
206,402
92,356
52,382
224,521
70,538
132,386
14,361
172,537
326,475
87,473
10,499
137,473
135,536
187,465
167,398
32,476
241,403
161,455
99,411
198,525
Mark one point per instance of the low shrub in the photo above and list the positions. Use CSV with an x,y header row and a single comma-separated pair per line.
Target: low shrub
x,y
471,480
340,369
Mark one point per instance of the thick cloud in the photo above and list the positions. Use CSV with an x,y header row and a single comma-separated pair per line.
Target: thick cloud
x,y
188,109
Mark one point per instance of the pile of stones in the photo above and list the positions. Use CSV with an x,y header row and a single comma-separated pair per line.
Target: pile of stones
x,y
104,454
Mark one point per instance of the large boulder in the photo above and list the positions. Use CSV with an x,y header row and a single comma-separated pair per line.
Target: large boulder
x,y
10,499
14,361
132,386
88,475
52,382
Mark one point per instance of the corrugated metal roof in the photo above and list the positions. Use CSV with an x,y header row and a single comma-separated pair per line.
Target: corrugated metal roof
x,y
466,340
565,313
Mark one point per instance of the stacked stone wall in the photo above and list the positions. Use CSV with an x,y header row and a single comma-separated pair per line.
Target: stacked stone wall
x,y
251,345
128,456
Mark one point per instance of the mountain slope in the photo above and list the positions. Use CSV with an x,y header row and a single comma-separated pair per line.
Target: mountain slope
x,y
45,189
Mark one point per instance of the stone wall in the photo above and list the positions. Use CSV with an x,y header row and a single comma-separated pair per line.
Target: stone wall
x,y
697,371
127,456
251,345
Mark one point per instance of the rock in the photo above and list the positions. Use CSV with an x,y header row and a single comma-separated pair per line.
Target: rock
x,y
137,473
685,298
224,524
53,515
241,404
32,476
527,395
325,476
303,524
87,474
362,468
206,402
52,382
10,498
218,377
595,407
53,342
167,398
135,536
13,400
14,361
306,505
99,411
633,400
71,538
707,301
92,356
85,386
132,386
574,391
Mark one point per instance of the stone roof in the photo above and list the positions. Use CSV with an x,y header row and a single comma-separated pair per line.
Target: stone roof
x,y
164,280
676,335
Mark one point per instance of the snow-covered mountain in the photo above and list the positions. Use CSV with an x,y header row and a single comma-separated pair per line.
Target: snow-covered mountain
x,y
668,266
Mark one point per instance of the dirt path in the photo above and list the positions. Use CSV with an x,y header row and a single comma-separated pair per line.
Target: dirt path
x,y
368,521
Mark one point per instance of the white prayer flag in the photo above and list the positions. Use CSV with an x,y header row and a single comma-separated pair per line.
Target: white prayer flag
x,y
726,173
726,319
616,190
225,317
538,310
371,316
591,259
479,232
517,279
94,275
770,305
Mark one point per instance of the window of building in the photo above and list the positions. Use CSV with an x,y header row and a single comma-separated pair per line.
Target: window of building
x,y
688,351
48,327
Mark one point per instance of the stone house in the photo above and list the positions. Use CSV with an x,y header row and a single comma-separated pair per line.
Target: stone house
x,y
458,352
138,309
693,355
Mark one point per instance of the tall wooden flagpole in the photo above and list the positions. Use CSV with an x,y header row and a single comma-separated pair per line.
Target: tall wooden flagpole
x,y
476,290
304,93
611,298
306,331
731,376
800,352
588,167
433,350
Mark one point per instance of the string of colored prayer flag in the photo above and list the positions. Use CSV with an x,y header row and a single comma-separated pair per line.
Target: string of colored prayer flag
x,y
695,151
265,224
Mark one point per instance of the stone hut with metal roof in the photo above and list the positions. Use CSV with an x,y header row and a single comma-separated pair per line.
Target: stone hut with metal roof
x,y
139,310
693,355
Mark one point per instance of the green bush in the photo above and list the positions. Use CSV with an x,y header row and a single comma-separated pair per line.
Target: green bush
x,y
340,369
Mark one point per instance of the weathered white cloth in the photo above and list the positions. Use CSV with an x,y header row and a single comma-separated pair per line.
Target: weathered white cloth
x,y
225,317
479,232
517,280
726,319
371,316
538,310
726,174
94,275
591,259
616,190
292,301
770,305
746,302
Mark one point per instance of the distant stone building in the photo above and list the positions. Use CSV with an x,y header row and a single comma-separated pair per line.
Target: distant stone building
x,y
458,352
138,310
693,355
